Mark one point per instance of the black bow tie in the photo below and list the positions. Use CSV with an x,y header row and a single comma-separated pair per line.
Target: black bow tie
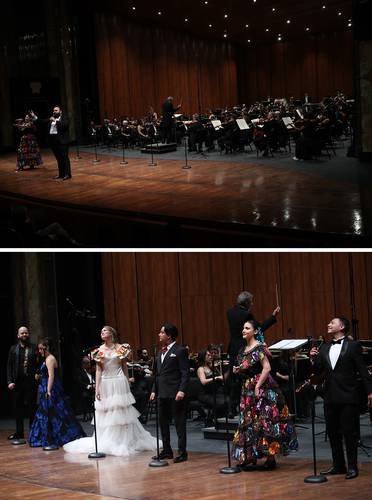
x,y
339,341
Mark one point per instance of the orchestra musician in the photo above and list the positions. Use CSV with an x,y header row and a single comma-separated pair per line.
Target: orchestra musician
x,y
341,361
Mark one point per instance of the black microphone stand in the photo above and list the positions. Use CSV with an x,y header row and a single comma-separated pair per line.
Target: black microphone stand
x,y
123,160
96,159
315,478
152,162
51,446
94,454
229,469
186,165
157,462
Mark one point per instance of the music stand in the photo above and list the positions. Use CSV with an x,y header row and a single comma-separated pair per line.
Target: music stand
x,y
291,345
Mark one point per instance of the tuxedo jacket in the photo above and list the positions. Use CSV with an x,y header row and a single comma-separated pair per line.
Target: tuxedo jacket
x,y
341,384
62,136
236,317
173,373
83,380
13,362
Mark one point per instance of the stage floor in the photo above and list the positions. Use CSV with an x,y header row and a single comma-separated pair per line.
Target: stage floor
x,y
243,194
32,473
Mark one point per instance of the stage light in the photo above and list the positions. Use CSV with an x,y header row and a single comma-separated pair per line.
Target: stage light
x,y
288,21
267,29
339,13
186,20
247,25
323,6
249,41
226,16
159,13
273,9
349,25
307,29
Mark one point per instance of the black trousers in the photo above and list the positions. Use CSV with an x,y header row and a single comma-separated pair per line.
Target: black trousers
x,y
24,399
60,151
169,407
342,423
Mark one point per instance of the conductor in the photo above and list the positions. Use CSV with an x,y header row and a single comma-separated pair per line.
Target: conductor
x,y
168,111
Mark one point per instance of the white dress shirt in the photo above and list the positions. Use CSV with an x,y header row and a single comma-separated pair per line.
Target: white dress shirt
x,y
334,352
53,126
163,354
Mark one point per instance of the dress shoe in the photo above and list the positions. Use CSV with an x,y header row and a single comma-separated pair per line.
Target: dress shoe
x,y
15,436
163,455
352,473
57,177
332,471
270,464
181,458
66,177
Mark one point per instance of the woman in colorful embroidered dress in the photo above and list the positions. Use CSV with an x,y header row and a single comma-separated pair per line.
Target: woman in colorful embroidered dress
x,y
54,422
264,429
28,152
118,430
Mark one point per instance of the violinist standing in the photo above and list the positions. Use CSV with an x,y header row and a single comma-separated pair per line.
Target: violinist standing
x,y
341,362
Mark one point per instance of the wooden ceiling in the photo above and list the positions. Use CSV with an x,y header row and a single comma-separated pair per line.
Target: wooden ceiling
x,y
240,21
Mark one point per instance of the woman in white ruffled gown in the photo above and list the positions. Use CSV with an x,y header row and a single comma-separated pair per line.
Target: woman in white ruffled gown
x,y
118,430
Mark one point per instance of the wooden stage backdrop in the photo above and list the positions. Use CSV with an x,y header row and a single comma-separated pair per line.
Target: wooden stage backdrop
x,y
194,290
139,66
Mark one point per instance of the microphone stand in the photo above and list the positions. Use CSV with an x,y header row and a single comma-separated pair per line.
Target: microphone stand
x,y
96,159
315,478
51,446
229,469
96,453
186,165
157,462
123,161
152,162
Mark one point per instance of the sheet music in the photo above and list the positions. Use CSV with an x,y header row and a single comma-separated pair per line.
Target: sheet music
x,y
288,122
242,124
217,124
289,344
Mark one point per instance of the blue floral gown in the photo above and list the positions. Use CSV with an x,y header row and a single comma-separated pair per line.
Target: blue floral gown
x,y
54,422
264,428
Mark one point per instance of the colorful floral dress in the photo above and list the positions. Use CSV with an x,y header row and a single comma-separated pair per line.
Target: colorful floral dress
x,y
54,422
264,428
28,153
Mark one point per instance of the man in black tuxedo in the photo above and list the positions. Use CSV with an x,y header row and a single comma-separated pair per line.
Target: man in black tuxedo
x,y
21,378
167,123
59,140
341,363
86,385
172,377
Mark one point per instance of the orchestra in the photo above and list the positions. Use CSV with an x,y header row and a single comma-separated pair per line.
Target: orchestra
x,y
269,126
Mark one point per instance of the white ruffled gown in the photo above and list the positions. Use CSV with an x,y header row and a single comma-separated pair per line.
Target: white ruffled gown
x,y
118,430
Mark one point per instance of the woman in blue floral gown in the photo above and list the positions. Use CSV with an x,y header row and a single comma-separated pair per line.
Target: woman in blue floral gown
x,y
264,428
54,422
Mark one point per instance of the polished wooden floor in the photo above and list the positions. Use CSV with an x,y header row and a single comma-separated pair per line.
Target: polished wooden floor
x,y
32,473
220,192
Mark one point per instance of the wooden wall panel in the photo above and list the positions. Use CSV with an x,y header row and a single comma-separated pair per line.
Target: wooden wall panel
x,y
158,294
318,65
139,66
194,291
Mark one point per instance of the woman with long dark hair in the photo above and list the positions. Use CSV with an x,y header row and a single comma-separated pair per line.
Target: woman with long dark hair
x,y
54,422
264,428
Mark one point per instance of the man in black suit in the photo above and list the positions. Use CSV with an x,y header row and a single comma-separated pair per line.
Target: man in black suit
x,y
236,317
86,385
59,140
21,378
167,123
341,363
171,381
